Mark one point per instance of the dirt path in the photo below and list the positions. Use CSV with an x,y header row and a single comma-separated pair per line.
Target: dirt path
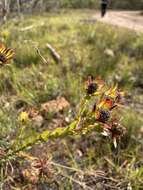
x,y
128,19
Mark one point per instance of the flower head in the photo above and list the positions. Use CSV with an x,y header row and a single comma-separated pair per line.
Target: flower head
x,y
42,166
106,103
107,100
112,98
5,34
5,54
115,130
115,94
102,115
23,117
92,85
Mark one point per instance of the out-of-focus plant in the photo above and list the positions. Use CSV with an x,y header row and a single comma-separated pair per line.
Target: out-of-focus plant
x,y
5,34
38,169
97,112
6,54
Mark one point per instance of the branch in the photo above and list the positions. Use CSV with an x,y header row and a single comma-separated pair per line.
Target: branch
x,y
47,135
54,54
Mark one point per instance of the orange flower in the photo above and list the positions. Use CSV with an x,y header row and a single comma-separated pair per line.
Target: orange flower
x,y
5,54
107,103
111,99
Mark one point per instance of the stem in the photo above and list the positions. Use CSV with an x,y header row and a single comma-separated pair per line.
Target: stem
x,y
43,137
49,135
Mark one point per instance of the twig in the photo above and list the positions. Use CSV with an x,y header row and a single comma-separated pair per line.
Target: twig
x,y
31,27
82,184
54,54
96,173
110,186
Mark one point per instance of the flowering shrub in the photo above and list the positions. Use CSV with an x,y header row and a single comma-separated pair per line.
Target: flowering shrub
x,y
97,112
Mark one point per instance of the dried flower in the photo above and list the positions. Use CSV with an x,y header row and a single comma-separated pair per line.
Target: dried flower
x,y
102,115
91,86
115,130
42,166
36,168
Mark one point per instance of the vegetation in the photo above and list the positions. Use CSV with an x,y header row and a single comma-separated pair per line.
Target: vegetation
x,y
126,4
24,6
77,162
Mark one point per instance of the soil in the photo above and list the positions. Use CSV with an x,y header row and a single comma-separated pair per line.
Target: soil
x,y
128,19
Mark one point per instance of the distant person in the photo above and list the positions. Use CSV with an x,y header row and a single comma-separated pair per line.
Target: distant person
x,y
104,4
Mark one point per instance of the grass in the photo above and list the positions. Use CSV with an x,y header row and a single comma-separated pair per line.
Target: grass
x,y
84,49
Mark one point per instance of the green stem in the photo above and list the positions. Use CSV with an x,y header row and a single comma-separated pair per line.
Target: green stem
x,y
44,137
49,135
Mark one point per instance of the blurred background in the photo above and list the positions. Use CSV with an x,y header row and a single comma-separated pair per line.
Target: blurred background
x,y
31,6
86,44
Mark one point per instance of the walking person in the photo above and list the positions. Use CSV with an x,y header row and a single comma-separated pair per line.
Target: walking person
x,y
104,4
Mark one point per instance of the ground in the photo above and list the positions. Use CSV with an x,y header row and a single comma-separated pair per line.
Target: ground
x,y
129,19
86,48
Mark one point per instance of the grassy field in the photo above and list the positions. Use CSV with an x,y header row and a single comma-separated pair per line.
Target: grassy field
x,y
86,48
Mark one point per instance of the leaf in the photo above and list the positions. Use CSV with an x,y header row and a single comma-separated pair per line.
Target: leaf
x,y
73,125
57,132
45,135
